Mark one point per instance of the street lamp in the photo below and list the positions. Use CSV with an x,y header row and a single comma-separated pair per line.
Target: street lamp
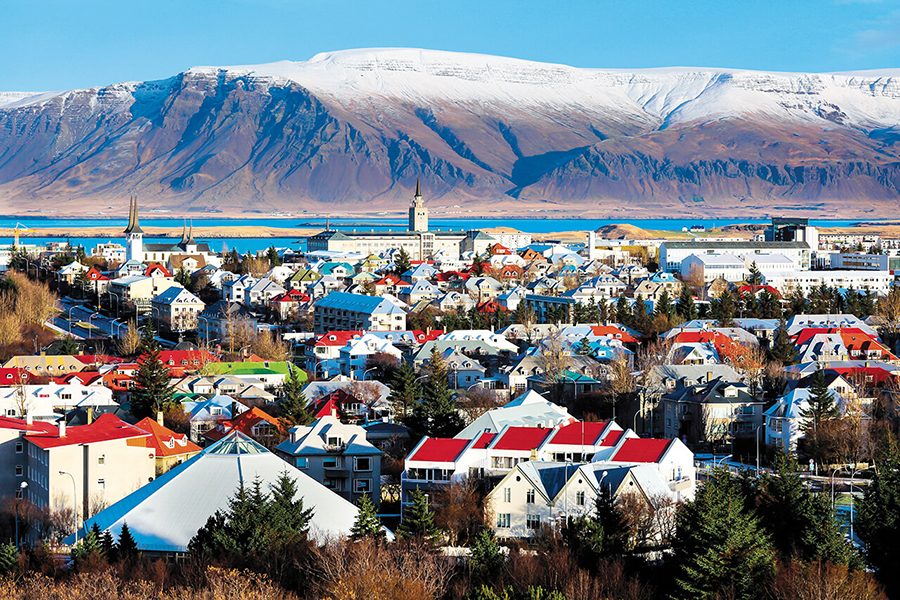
x,y
852,472
22,487
70,318
721,460
756,436
832,486
367,370
74,500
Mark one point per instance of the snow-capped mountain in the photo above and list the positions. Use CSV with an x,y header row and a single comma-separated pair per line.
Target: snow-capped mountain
x,y
356,128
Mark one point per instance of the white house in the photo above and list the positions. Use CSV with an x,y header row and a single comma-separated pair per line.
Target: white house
x,y
354,355
715,266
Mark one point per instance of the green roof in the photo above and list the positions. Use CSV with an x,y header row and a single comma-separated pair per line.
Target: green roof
x,y
247,367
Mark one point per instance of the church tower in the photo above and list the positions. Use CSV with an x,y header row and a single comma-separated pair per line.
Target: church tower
x,y
418,214
134,235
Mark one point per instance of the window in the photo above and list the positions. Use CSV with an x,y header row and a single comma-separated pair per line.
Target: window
x,y
503,521
19,470
529,497
332,462
533,521
19,447
101,484
507,495
362,464
302,463
363,485
579,498
101,459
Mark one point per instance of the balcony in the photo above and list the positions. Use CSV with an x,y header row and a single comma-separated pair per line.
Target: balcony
x,y
335,448
679,485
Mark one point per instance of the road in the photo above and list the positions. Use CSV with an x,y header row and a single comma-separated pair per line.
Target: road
x,y
76,317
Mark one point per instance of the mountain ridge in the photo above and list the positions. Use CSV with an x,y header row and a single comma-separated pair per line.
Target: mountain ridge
x,y
353,130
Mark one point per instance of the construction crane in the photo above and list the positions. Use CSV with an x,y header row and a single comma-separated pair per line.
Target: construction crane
x,y
19,228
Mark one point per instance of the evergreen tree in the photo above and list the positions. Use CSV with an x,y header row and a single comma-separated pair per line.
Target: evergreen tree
x,y
9,558
720,550
418,520
600,535
769,305
641,320
664,306
87,547
797,304
435,414
126,548
68,347
485,560
584,347
272,257
754,277
592,311
293,401
783,349
285,512
402,263
367,524
183,277
152,391
405,391
878,520
108,546
723,309
685,307
822,405
801,525
623,311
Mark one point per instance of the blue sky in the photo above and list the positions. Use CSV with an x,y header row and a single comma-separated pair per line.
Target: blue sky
x,y
59,44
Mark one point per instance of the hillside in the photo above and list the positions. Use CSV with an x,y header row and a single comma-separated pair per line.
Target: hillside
x,y
352,131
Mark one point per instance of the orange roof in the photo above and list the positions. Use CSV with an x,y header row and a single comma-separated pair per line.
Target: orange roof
x,y
165,441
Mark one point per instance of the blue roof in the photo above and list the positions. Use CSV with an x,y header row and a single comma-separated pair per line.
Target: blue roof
x,y
358,303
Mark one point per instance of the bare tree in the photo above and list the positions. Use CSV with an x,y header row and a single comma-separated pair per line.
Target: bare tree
x,y
270,347
460,509
475,402
130,340
554,361
367,392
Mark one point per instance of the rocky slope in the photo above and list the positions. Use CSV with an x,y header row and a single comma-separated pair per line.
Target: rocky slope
x,y
353,130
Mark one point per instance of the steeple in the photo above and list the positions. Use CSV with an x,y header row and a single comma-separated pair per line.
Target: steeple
x,y
133,225
191,232
184,234
418,214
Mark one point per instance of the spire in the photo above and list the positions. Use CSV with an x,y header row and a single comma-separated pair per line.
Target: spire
x,y
191,232
134,225
184,233
418,189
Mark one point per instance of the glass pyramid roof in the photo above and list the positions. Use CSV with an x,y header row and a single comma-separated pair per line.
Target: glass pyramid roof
x,y
236,443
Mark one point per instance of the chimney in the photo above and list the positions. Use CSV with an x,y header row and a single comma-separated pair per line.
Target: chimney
x,y
62,428
708,376
334,412
29,418
233,410
90,415
159,418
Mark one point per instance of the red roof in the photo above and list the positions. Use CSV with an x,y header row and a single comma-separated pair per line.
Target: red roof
x,y
94,274
165,441
439,450
157,267
484,440
757,289
21,425
101,359
243,423
639,450
390,280
521,438
106,428
490,306
615,332
292,295
82,377
580,433
15,375
612,438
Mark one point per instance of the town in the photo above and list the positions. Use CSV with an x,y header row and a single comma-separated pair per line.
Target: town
x,y
479,396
